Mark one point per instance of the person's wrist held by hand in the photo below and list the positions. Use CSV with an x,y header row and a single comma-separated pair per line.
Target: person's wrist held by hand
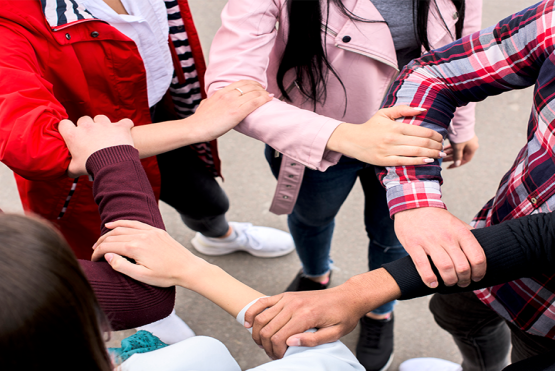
x,y
339,137
370,290
434,233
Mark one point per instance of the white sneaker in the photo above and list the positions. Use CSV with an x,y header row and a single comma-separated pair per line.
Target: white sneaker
x,y
170,330
263,242
429,364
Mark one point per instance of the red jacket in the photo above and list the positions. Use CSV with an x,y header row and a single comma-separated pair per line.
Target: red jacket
x,y
48,74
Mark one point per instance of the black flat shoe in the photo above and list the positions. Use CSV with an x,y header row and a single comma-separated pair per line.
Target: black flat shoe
x,y
303,283
375,343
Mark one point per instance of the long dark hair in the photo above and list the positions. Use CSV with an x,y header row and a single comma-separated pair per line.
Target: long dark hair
x,y
305,51
49,315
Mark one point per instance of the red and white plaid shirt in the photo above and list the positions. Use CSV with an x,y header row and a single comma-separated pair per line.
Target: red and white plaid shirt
x,y
516,53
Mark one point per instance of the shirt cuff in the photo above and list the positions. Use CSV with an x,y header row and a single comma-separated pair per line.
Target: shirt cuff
x,y
241,316
414,195
109,156
320,158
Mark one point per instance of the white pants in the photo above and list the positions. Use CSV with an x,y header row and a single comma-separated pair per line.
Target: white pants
x,y
202,353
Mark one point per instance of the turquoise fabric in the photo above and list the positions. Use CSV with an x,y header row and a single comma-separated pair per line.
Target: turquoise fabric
x,y
141,342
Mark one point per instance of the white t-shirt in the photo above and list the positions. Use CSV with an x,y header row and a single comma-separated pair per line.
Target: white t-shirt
x,y
147,25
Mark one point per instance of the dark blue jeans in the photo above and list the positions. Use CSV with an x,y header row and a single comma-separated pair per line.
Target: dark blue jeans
x,y
321,195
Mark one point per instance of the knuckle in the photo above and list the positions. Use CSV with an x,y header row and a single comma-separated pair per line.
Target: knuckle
x,y
388,138
463,270
276,339
260,320
480,260
444,266
266,333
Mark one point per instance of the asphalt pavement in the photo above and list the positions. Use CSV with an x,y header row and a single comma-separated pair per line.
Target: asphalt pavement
x,y
501,128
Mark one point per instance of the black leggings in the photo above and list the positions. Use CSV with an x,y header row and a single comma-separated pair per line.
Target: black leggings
x,y
189,187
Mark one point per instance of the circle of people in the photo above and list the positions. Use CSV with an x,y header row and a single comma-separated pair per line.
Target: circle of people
x,y
107,107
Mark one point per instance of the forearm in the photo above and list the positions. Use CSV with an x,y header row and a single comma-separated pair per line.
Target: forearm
x,y
515,249
127,303
441,81
216,285
154,139
122,191
299,134
369,290
121,188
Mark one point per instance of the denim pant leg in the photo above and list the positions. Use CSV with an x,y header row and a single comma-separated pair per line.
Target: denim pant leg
x,y
384,247
312,221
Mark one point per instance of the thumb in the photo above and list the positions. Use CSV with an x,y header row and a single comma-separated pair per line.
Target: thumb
x,y
118,262
124,266
312,339
401,111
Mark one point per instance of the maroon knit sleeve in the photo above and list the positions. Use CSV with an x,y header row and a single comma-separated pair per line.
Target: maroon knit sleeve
x,y
122,191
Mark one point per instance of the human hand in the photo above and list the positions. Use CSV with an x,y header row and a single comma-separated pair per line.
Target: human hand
x,y
159,259
292,313
435,232
90,136
228,107
281,321
461,153
383,142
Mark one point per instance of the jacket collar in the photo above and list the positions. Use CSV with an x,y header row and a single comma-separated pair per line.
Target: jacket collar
x,y
373,39
59,13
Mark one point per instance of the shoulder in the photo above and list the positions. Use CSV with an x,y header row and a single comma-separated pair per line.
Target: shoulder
x,y
25,13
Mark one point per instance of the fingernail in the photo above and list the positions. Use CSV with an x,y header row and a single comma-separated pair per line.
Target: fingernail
x,y
433,285
428,160
94,246
294,342
442,154
109,257
261,347
272,95
419,109
247,325
458,163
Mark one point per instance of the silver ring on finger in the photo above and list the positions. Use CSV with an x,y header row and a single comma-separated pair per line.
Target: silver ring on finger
x,y
240,91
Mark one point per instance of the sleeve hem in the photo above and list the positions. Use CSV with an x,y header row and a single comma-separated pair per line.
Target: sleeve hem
x,y
109,156
414,195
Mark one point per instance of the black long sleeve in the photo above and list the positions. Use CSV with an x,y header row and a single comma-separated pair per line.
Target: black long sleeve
x,y
519,248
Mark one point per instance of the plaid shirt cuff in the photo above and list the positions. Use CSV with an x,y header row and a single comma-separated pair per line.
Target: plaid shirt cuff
x,y
413,195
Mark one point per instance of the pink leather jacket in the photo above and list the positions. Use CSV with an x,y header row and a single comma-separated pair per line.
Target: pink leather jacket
x,y
250,43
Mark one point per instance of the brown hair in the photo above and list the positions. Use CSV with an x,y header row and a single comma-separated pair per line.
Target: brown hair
x,y
49,315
